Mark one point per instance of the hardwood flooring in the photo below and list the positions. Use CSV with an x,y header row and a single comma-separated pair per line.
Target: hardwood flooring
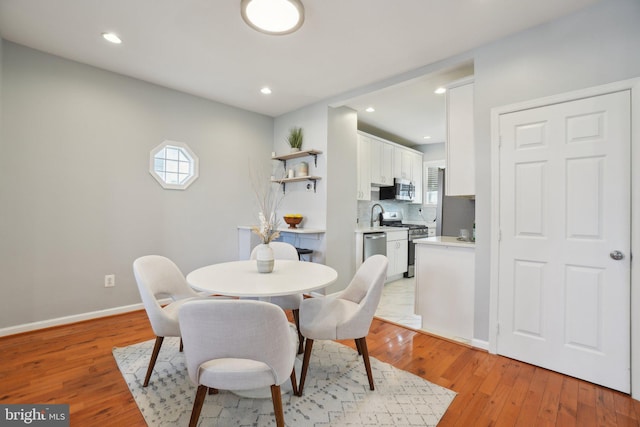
x,y
73,364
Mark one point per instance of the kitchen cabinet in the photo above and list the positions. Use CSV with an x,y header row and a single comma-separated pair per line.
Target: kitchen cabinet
x,y
445,269
460,144
416,175
402,163
381,163
363,190
397,252
408,165
387,161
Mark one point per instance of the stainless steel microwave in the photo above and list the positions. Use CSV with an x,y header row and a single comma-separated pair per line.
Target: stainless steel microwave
x,y
402,189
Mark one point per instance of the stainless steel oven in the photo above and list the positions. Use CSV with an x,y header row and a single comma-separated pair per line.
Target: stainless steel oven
x,y
416,231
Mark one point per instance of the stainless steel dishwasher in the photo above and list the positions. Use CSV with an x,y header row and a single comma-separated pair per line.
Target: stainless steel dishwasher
x,y
374,243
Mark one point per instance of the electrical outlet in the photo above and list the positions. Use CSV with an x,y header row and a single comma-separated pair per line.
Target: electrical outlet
x,y
109,280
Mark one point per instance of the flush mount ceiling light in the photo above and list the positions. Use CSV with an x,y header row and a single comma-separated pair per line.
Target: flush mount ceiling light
x,y
265,90
275,17
112,38
370,110
440,91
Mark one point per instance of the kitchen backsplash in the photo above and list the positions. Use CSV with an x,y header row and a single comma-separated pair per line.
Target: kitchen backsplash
x,y
412,213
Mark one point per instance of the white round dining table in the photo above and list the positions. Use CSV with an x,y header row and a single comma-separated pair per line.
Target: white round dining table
x,y
242,279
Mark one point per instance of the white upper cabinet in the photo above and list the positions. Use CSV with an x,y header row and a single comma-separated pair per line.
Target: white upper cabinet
x,y
364,168
381,163
402,163
460,170
416,175
407,164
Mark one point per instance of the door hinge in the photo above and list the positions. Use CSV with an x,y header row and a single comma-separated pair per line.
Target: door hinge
x,y
499,235
498,329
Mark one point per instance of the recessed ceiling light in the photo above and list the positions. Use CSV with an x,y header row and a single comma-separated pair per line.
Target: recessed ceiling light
x,y
426,137
440,91
265,90
112,38
275,17
370,110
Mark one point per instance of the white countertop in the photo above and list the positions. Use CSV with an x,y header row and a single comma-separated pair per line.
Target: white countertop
x,y
445,241
378,229
298,230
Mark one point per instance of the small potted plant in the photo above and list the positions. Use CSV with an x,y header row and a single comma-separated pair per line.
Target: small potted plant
x,y
295,139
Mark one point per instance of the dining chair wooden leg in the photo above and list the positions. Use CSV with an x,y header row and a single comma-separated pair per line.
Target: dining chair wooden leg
x,y
296,319
152,362
294,383
277,405
181,345
358,347
367,362
201,393
305,364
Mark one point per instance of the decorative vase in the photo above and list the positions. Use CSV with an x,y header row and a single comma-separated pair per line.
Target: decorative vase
x,y
264,258
294,150
302,169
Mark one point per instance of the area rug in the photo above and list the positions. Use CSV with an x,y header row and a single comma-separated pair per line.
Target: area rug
x,y
336,392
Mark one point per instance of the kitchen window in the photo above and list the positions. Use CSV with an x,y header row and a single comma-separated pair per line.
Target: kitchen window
x,y
431,182
173,165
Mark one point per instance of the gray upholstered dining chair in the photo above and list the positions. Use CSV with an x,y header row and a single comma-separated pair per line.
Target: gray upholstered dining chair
x,y
286,251
158,277
346,314
237,345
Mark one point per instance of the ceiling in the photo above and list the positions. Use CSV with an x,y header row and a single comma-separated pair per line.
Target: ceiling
x,y
409,113
203,47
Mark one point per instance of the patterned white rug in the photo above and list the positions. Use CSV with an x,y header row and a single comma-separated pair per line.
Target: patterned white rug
x,y
336,392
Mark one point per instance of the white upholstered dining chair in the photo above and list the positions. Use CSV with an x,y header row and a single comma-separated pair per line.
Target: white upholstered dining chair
x,y
286,251
237,345
346,314
158,277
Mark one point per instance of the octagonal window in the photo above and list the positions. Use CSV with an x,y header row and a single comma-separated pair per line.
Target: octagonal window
x,y
173,165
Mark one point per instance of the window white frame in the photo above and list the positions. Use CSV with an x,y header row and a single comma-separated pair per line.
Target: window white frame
x,y
428,196
173,165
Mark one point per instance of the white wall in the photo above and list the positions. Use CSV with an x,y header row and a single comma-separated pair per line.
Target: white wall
x,y
77,200
342,206
332,207
432,152
313,121
298,199
595,46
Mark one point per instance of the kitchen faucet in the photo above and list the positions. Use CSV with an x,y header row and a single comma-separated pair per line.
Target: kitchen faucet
x,y
381,211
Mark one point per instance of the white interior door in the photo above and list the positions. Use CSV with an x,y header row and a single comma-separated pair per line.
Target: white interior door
x,y
563,300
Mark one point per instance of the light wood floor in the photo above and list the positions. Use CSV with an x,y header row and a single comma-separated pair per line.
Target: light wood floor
x,y
73,364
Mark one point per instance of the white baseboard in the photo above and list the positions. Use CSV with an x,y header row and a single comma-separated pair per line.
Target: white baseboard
x,y
27,327
483,345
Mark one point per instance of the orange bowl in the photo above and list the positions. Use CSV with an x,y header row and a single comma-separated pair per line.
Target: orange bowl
x,y
293,220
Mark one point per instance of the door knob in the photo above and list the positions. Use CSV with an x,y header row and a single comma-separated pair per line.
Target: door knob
x,y
617,255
